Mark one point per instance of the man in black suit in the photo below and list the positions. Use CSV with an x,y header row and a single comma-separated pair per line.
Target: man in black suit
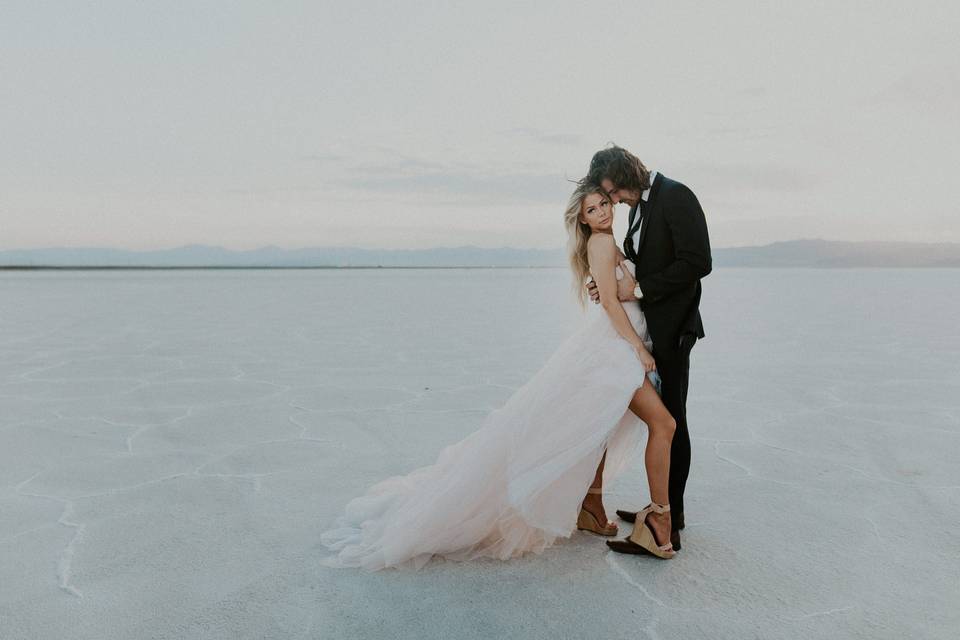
x,y
667,241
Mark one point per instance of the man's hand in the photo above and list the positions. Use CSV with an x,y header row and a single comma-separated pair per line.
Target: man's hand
x,y
626,284
593,291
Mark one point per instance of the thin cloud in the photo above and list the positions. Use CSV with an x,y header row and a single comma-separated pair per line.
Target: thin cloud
x,y
474,187
547,138
745,177
387,172
932,88
323,157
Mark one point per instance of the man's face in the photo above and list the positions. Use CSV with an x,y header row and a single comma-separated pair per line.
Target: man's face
x,y
625,196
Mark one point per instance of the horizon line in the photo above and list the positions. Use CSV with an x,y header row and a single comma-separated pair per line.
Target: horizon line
x,y
421,267
441,247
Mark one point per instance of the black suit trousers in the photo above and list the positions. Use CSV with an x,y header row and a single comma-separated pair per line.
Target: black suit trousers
x,y
674,369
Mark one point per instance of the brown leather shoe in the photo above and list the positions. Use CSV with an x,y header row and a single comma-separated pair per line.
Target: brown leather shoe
x,y
631,516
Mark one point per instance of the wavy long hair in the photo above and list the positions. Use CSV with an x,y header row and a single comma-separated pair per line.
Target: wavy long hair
x,y
577,235
619,166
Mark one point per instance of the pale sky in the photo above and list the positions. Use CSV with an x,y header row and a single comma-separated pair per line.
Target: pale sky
x,y
409,125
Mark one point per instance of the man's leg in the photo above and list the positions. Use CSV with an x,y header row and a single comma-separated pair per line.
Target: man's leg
x,y
674,371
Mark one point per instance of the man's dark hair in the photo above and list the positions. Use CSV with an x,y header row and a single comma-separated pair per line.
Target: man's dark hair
x,y
619,166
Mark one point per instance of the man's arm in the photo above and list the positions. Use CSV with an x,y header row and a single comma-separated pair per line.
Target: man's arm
x,y
692,261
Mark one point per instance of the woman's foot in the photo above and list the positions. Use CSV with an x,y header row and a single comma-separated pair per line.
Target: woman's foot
x,y
651,533
661,526
595,518
593,503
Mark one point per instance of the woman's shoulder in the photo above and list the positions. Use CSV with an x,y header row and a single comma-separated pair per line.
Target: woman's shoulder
x,y
601,241
601,249
601,244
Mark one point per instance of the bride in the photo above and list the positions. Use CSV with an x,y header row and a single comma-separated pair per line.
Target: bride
x,y
535,468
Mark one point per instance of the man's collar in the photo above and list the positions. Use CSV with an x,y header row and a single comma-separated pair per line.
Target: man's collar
x,y
646,192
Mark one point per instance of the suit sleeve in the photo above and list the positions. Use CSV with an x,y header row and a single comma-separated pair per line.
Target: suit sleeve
x,y
691,245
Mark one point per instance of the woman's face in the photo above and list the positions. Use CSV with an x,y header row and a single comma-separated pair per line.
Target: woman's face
x,y
596,211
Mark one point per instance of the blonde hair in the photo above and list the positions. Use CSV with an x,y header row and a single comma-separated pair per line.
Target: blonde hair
x,y
577,235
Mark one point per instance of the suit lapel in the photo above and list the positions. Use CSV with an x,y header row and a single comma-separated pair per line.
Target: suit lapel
x,y
648,209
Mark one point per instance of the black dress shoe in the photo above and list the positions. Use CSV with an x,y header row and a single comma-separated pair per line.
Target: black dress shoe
x,y
627,516
631,516
675,539
627,546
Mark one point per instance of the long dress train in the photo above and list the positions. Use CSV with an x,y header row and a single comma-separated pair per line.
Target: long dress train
x,y
516,484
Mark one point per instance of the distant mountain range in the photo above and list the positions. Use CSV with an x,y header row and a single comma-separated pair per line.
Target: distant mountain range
x,y
826,253
794,253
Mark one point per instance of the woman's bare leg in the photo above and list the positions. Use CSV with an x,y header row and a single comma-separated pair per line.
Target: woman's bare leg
x,y
598,479
647,406
593,502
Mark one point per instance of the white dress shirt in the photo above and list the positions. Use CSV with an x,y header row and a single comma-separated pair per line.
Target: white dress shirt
x,y
645,196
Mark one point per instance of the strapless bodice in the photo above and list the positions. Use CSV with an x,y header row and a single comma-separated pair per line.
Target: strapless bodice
x,y
630,266
633,310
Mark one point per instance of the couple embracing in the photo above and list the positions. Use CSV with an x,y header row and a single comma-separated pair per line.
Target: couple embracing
x,y
535,469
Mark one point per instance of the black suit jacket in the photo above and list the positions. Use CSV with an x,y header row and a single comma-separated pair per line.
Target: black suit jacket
x,y
674,254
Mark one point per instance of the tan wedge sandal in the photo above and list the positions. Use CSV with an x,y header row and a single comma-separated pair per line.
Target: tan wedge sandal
x,y
643,540
586,521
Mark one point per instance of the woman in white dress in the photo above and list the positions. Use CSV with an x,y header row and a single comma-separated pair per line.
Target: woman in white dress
x,y
534,470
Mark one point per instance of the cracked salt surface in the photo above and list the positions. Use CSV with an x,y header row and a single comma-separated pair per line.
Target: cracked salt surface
x,y
172,443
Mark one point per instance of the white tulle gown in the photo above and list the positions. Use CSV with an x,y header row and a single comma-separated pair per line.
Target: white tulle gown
x,y
516,484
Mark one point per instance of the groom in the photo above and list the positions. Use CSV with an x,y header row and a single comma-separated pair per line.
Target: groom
x,y
667,241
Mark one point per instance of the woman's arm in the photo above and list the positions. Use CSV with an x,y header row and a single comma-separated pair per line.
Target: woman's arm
x,y
602,255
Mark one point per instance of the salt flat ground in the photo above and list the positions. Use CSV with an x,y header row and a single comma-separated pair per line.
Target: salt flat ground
x,y
172,443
